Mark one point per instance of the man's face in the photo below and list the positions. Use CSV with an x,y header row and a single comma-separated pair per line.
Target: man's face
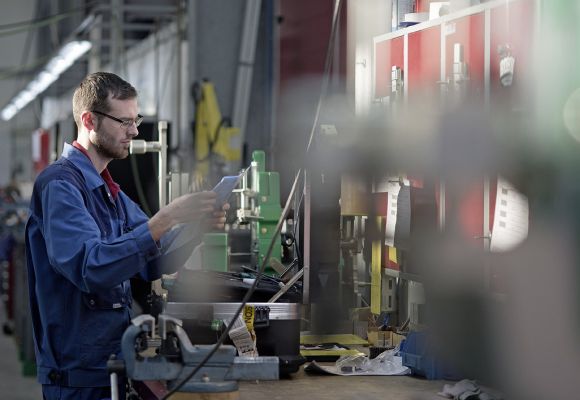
x,y
110,139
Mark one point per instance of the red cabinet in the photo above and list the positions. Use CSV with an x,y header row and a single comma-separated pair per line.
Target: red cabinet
x,y
511,25
464,43
433,53
424,62
388,53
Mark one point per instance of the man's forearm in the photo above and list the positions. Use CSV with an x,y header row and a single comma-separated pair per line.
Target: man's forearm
x,y
159,224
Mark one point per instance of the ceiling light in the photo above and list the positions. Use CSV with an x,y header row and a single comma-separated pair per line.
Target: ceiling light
x,y
66,57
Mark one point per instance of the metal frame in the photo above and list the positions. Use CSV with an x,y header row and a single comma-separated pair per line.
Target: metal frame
x,y
306,240
278,311
440,21
405,69
246,66
487,60
486,233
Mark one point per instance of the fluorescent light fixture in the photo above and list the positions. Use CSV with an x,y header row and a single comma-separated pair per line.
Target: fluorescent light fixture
x,y
66,57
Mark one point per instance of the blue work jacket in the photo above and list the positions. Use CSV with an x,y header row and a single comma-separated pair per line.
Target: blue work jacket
x,y
83,245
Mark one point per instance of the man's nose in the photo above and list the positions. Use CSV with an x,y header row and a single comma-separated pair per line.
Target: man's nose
x,y
133,131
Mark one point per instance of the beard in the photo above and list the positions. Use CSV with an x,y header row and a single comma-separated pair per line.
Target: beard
x,y
106,146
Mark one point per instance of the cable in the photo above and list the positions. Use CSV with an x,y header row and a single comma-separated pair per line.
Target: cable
x,y
17,27
35,25
246,297
27,46
297,226
225,121
24,69
23,59
327,65
36,20
324,88
252,272
196,94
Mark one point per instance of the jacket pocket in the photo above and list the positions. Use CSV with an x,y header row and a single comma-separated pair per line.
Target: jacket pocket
x,y
106,317
111,299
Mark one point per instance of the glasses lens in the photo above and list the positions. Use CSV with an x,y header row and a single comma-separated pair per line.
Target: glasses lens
x,y
128,122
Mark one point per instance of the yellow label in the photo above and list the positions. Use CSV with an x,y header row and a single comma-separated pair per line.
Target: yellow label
x,y
249,317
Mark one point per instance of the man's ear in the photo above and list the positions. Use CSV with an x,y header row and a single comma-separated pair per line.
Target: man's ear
x,y
88,120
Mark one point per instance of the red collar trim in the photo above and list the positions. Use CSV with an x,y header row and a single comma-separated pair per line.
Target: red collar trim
x,y
113,186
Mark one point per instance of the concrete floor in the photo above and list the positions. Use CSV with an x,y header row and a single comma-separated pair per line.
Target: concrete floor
x,y
304,386
13,385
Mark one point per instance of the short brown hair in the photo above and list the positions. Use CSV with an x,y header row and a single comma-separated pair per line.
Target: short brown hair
x,y
93,93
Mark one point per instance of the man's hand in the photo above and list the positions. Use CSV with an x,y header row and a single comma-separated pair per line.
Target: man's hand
x,y
188,208
191,207
217,220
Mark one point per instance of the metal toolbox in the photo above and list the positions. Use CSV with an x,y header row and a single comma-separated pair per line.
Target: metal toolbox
x,y
277,327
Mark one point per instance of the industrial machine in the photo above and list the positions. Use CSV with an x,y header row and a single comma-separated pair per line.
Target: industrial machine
x,y
259,207
228,266
256,206
205,294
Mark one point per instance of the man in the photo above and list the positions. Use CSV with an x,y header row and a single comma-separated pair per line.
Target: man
x,y
85,238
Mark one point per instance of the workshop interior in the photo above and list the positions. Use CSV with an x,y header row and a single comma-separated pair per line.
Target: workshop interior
x,y
401,177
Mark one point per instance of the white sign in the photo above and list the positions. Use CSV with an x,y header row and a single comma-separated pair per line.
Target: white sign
x,y
392,188
510,222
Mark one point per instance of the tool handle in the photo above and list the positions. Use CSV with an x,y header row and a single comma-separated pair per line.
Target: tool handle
x,y
114,387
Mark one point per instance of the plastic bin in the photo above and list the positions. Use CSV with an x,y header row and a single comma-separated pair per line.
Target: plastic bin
x,y
418,356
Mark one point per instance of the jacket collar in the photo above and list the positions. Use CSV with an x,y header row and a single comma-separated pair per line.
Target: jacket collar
x,y
84,164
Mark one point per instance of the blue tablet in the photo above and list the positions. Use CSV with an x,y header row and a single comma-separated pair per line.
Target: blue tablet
x,y
224,189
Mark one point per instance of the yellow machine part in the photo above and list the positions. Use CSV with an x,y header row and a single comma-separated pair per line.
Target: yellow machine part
x,y
353,196
210,135
340,339
393,254
346,339
376,261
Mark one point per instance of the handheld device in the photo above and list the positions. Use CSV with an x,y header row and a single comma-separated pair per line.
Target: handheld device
x,y
224,189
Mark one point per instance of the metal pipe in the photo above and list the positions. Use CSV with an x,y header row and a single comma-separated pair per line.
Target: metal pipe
x,y
141,9
245,69
116,35
162,127
142,147
287,286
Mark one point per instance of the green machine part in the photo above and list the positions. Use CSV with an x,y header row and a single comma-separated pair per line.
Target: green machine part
x,y
267,186
215,252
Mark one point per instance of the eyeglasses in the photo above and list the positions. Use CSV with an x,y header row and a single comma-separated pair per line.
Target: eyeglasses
x,y
125,123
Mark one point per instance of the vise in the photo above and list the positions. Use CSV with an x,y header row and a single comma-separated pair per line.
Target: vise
x,y
170,356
